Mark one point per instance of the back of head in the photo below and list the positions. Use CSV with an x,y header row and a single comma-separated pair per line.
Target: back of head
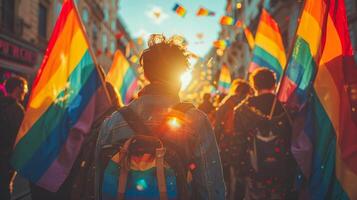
x,y
15,82
262,79
241,88
165,59
206,97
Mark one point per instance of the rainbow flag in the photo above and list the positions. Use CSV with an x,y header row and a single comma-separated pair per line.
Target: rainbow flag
x,y
180,10
221,44
122,77
224,82
249,37
61,107
320,74
268,48
204,12
226,20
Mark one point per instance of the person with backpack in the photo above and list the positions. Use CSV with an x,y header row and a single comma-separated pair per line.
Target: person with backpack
x,y
11,116
265,160
226,137
157,147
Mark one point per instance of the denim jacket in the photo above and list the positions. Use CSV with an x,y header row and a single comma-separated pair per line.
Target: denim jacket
x,y
207,178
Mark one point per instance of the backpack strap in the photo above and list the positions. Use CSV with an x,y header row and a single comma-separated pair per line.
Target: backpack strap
x,y
124,169
160,173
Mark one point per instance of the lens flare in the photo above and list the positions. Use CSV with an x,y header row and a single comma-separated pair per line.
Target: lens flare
x,y
141,185
174,123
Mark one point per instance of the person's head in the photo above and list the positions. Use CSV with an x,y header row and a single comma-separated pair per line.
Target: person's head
x,y
241,88
164,61
263,80
206,97
16,87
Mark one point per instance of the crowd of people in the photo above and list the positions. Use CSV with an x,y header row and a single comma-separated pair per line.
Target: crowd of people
x,y
158,147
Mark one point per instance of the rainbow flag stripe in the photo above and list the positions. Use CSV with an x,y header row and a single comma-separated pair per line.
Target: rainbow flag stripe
x,y
226,20
249,37
224,82
61,106
268,48
180,10
204,12
122,77
322,63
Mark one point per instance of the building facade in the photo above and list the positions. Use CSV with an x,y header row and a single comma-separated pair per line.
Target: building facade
x,y
26,26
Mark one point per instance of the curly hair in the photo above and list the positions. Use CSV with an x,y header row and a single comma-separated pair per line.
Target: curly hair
x,y
165,59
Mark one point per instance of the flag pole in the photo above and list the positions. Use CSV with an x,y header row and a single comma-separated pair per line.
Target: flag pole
x,y
278,88
99,71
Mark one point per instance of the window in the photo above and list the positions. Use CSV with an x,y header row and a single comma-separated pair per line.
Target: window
x,y
58,8
113,26
8,15
42,21
112,47
85,16
104,41
106,13
95,35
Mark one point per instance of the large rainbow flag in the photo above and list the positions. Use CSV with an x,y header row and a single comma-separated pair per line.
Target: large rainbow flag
x,y
224,82
320,74
268,48
122,77
61,107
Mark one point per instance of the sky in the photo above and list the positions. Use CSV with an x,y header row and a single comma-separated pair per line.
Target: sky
x,y
138,17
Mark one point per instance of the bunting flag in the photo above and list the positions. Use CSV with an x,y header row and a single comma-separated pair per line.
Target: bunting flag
x,y
239,23
224,82
180,10
268,48
320,74
61,107
249,36
204,12
226,20
221,44
122,77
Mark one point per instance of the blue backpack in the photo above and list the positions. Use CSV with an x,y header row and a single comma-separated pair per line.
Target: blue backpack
x,y
145,166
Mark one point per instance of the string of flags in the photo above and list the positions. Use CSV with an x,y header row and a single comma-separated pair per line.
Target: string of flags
x,y
180,10
221,44
201,12
205,12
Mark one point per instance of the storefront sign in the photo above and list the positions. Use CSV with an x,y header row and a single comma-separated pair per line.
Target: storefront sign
x,y
17,53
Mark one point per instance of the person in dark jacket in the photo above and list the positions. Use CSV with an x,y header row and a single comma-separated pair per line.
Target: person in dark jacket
x,y
264,141
224,130
163,63
11,116
206,106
